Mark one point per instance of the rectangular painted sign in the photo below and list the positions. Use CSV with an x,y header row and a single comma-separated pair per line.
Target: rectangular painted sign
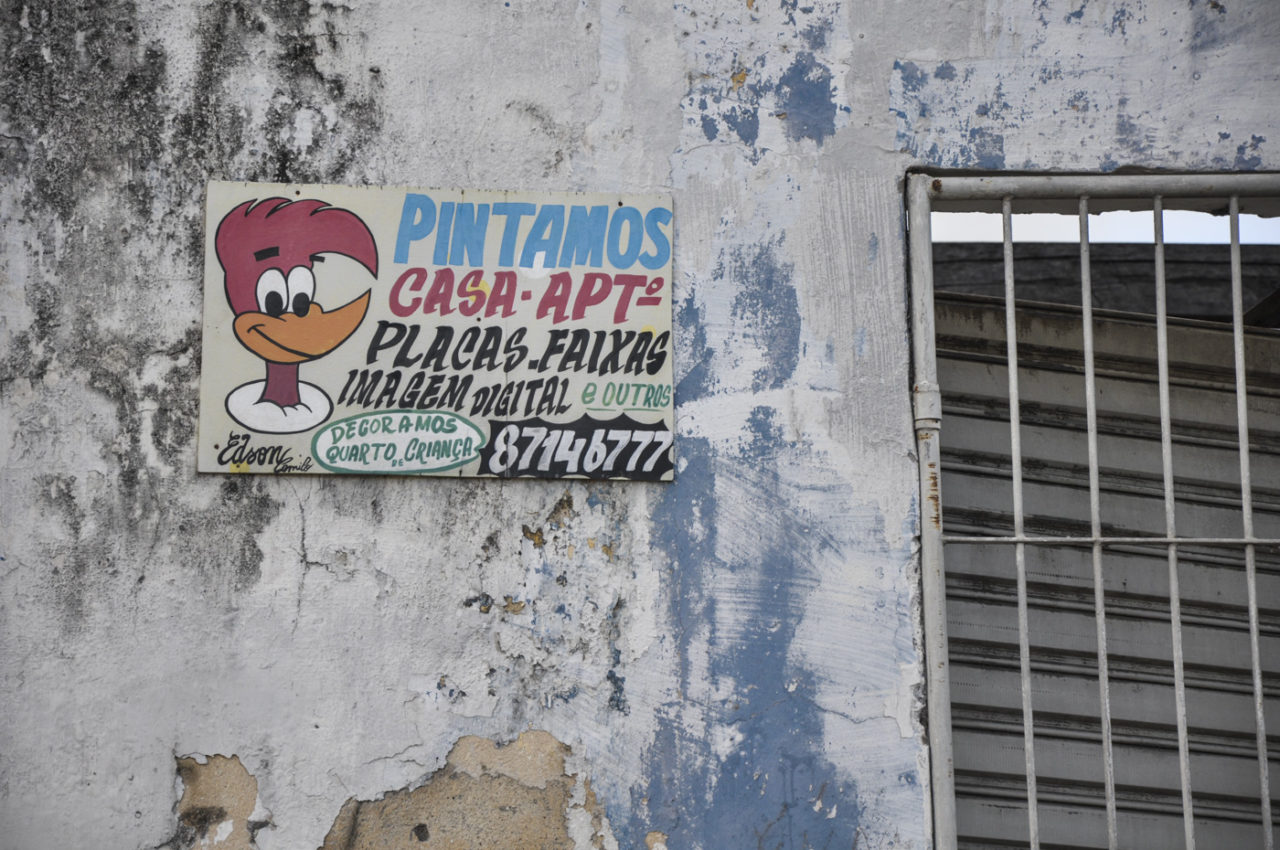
x,y
436,332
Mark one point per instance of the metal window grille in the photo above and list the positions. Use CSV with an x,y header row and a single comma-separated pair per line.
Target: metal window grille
x,y
1107,547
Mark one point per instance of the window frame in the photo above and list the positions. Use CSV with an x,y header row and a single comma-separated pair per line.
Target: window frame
x,y
1082,194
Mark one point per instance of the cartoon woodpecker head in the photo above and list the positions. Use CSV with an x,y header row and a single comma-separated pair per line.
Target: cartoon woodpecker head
x,y
267,250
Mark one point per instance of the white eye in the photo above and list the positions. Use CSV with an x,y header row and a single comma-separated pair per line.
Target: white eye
x,y
273,296
301,282
302,285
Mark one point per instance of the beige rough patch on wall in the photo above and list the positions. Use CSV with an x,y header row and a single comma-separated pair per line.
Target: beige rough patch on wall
x,y
218,798
513,796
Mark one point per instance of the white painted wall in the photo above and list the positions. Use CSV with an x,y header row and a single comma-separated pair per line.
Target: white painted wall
x,y
731,658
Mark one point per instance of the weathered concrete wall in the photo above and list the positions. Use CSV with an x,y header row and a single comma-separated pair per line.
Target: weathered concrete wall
x,y
729,661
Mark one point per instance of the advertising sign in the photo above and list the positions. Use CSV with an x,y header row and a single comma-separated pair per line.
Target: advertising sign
x,y
433,332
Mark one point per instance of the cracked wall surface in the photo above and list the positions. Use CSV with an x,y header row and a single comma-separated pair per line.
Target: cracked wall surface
x,y
730,660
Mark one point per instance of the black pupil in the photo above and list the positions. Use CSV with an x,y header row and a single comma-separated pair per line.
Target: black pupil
x,y
275,304
301,303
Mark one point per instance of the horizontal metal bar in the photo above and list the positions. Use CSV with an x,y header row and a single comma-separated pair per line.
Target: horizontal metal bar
x,y
1089,541
1104,186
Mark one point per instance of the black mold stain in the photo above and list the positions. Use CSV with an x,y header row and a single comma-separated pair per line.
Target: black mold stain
x,y
82,99
173,424
203,818
213,132
483,600
562,511
58,496
106,160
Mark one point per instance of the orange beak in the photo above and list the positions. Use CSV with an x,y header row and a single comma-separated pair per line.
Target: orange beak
x,y
290,338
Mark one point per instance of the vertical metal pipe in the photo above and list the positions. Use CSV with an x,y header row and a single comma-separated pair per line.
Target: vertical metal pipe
x,y
928,422
1020,555
1246,511
1175,603
1095,521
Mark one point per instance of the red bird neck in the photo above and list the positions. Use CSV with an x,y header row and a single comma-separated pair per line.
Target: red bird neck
x,y
282,384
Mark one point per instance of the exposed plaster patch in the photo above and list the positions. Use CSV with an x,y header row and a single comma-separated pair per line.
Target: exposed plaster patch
x,y
534,536
219,805
488,794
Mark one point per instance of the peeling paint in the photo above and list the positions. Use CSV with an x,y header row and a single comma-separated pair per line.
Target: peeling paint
x,y
767,99
487,795
1117,70
218,807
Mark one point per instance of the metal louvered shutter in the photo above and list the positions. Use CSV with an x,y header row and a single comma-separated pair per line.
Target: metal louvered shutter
x,y
980,578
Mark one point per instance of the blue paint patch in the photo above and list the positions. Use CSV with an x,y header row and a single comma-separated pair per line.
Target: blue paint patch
x,y
806,95
709,128
1138,142
985,148
766,309
745,121
1247,156
690,326
815,36
762,793
873,249
1119,21
913,78
1078,14
1079,101
945,71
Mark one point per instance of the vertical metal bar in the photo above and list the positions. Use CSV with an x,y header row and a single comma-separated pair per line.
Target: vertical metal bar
x,y
1246,511
1095,520
1175,603
928,422
1020,555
